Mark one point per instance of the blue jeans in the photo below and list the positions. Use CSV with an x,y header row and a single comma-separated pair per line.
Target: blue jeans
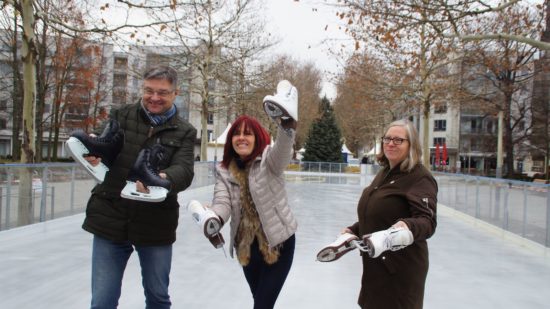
x,y
109,260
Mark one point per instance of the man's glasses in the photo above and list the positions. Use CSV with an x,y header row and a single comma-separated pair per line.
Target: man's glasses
x,y
160,93
396,140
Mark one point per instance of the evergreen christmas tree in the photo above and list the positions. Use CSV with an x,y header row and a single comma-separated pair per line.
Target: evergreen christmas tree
x,y
324,142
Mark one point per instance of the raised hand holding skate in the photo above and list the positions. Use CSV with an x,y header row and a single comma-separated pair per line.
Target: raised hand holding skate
x,y
282,107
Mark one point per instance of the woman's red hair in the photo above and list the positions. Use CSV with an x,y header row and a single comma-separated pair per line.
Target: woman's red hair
x,y
261,136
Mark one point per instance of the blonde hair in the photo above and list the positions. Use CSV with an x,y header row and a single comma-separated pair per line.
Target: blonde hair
x,y
415,150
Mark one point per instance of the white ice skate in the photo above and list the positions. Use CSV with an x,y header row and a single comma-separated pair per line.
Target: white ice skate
x,y
391,239
342,245
146,170
208,221
106,146
283,104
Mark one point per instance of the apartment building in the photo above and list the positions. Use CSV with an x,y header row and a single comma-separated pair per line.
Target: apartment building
x,y
118,81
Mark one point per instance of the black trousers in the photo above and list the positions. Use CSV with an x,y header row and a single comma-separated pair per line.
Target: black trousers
x,y
266,281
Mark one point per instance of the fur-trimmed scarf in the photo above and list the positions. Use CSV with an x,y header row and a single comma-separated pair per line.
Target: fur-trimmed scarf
x,y
250,227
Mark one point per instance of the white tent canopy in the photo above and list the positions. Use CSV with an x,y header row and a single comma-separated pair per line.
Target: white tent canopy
x,y
221,139
345,149
375,150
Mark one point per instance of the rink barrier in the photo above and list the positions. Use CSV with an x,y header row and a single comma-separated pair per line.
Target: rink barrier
x,y
63,189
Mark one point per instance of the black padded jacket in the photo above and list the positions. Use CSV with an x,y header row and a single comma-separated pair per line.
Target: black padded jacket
x,y
142,223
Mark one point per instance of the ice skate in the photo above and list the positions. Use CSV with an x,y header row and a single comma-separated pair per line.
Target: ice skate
x,y
146,170
391,239
106,146
282,105
343,244
208,221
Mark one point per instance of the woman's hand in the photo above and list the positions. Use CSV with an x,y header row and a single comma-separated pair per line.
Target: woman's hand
x,y
401,224
289,123
346,230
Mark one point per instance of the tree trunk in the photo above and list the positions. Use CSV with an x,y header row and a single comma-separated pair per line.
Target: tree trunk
x,y
17,96
29,77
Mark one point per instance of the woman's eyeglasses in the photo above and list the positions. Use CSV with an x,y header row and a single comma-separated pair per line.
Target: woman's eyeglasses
x,y
396,140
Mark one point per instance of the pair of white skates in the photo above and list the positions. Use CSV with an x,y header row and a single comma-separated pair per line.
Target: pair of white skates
x,y
107,147
373,244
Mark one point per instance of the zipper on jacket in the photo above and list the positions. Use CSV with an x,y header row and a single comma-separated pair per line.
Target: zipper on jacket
x,y
425,200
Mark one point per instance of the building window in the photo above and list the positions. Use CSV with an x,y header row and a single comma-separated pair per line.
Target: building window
x,y
440,125
441,109
489,126
210,118
439,140
521,125
211,85
210,135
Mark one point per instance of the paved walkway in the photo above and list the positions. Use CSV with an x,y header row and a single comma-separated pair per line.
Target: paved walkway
x,y
47,265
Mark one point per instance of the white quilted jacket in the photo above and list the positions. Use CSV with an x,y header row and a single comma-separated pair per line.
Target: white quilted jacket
x,y
267,187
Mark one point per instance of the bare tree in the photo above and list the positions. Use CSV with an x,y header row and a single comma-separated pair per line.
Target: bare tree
x,y
508,66
399,33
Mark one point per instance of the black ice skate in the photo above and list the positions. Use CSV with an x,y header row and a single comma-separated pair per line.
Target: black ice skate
x,y
146,170
106,146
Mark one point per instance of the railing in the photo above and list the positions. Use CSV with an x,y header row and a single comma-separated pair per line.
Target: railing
x,y
522,208
58,190
62,189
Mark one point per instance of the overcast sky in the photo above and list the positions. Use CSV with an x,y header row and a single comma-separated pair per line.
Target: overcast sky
x,y
299,24
301,27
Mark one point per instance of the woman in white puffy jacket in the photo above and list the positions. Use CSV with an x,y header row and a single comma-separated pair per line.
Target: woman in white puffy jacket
x,y
250,189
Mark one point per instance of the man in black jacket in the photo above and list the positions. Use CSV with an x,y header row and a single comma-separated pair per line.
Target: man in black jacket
x,y
120,225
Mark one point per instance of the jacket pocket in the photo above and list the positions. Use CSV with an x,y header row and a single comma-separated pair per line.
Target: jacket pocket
x,y
389,264
170,141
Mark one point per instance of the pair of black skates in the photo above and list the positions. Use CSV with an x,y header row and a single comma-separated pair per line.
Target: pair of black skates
x,y
107,146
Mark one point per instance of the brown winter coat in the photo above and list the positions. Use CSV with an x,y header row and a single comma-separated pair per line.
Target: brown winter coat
x,y
395,280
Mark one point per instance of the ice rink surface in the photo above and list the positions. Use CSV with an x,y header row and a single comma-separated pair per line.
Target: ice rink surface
x,y
47,265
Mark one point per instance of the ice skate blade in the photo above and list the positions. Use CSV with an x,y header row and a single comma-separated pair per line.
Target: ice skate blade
x,y
331,254
155,195
342,245
272,109
77,150
212,227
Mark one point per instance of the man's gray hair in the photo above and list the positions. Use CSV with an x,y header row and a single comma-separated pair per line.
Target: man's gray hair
x,y
162,72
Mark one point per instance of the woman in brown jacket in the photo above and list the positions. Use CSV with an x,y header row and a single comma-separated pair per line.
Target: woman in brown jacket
x,y
403,194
